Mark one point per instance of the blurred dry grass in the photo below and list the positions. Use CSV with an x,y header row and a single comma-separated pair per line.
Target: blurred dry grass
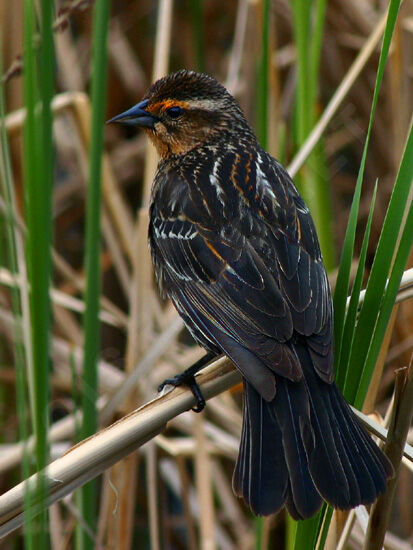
x,y
154,497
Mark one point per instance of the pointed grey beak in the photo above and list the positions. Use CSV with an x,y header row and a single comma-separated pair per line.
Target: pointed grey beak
x,y
136,116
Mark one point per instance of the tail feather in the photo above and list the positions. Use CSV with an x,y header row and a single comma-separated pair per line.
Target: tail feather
x,y
357,449
260,475
375,461
303,446
292,411
290,504
326,461
240,479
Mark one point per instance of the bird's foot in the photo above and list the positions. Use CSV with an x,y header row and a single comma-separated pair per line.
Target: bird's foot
x,y
186,379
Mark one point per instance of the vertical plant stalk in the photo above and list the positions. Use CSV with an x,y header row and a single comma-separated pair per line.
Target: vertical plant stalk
x,y
38,176
308,31
14,255
402,415
92,255
339,95
351,315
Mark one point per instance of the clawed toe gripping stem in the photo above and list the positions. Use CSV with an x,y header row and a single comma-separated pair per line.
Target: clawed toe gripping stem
x,y
187,378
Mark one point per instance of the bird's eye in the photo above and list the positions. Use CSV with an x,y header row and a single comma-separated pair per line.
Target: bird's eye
x,y
175,111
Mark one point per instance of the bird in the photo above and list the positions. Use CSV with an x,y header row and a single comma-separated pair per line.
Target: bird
x,y
235,248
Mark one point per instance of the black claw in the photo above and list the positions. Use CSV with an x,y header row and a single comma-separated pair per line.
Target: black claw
x,y
168,382
186,379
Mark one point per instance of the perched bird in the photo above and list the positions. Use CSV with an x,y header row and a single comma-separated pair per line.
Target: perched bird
x,y
235,248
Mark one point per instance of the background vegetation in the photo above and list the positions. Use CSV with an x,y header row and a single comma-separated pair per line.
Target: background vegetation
x,y
84,336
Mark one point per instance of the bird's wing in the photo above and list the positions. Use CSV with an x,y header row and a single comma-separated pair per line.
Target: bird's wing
x,y
248,293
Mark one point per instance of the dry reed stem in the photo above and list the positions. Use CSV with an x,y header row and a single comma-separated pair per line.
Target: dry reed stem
x,y
65,300
113,245
231,507
346,532
140,371
62,353
112,197
236,55
391,541
56,527
152,492
113,381
67,324
189,520
124,60
379,431
402,414
204,485
91,457
223,443
71,76
118,260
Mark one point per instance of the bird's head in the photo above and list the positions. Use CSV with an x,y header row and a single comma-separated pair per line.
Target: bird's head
x,y
185,110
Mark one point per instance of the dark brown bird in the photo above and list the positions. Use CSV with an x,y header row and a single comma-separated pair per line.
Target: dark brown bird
x,y
235,248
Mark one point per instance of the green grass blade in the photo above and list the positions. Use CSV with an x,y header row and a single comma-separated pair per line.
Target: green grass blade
x,y
379,298
291,532
324,526
38,176
351,315
343,278
307,532
315,47
92,255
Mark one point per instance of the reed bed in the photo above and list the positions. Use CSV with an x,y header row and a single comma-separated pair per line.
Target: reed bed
x,y
86,339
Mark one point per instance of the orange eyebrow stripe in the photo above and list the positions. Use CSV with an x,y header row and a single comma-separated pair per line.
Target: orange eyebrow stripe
x,y
165,104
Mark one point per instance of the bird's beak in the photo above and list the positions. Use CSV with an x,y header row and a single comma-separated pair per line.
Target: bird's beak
x,y
136,116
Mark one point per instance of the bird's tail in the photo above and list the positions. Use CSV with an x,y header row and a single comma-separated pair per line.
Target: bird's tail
x,y
304,446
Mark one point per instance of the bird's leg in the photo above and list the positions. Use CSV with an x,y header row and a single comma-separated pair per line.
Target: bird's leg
x,y
187,378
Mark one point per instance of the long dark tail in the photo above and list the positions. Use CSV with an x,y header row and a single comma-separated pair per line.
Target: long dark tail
x,y
304,446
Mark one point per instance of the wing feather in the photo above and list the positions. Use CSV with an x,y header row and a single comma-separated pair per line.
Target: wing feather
x,y
259,283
